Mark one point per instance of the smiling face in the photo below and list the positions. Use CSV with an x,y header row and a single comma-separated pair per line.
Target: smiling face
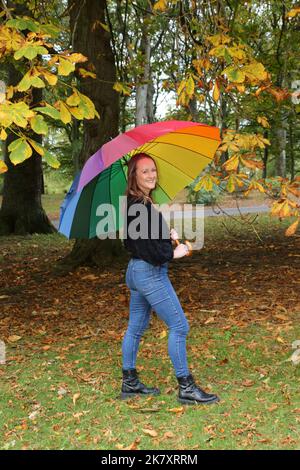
x,y
146,175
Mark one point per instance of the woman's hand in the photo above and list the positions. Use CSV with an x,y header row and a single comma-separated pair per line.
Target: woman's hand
x,y
174,235
180,251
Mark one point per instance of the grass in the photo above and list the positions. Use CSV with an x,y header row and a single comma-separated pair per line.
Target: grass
x,y
260,407
60,384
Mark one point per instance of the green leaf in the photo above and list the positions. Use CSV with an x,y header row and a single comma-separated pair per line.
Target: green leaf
x,y
50,29
49,111
30,81
25,83
21,151
38,125
51,160
65,67
30,51
234,74
227,56
23,23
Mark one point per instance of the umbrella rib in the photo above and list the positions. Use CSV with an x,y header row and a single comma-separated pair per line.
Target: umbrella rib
x,y
165,192
122,167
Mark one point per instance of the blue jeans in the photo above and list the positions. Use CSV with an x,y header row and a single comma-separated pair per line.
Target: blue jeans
x,y
150,288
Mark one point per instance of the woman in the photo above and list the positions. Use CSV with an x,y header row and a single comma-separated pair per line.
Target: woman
x,y
150,287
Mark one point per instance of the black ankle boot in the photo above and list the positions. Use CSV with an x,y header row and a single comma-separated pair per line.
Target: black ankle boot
x,y
190,394
131,385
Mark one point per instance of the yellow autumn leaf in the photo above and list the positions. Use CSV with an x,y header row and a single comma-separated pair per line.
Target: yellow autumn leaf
x,y
160,5
76,112
255,71
73,100
206,182
190,86
50,77
176,410
237,51
232,163
85,73
3,134
77,58
216,92
293,12
122,88
281,209
37,147
65,67
3,167
181,87
292,228
163,334
240,88
65,114
219,39
263,121
254,164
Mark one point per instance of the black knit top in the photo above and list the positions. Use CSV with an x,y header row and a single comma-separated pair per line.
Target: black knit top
x,y
147,241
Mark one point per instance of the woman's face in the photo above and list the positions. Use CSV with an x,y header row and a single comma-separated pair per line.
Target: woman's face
x,y
146,174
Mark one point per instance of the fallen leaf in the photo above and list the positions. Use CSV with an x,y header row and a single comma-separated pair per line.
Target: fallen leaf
x,y
168,435
90,277
134,445
75,398
209,320
163,334
14,338
150,432
248,383
273,408
176,410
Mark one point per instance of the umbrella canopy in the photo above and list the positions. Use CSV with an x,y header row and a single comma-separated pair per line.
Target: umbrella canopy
x,y
180,150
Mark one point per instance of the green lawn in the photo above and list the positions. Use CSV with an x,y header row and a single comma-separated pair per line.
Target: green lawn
x,y
60,384
259,408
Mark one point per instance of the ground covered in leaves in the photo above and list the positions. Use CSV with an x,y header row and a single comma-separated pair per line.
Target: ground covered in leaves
x,y
62,375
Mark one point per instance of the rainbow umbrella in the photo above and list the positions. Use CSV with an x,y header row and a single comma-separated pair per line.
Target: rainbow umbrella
x,y
180,149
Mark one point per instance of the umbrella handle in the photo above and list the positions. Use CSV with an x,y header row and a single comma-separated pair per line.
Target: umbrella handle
x,y
187,243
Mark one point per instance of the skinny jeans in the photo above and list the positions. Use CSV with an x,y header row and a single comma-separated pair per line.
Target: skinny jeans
x,y
151,288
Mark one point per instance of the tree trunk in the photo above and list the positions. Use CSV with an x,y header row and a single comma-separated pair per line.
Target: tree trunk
x,y
21,211
142,88
281,150
92,40
265,157
291,147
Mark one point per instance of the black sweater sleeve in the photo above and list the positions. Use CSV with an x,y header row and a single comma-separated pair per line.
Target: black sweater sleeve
x,y
153,249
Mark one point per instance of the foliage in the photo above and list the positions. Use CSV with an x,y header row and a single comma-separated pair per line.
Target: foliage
x,y
227,67
28,45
